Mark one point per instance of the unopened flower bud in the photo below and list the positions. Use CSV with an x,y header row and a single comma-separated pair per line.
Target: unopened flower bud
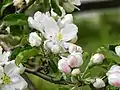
x,y
74,48
75,60
75,72
117,50
97,58
19,3
34,39
63,66
114,76
56,49
99,83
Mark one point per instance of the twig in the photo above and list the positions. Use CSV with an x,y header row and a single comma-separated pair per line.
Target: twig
x,y
48,78
31,86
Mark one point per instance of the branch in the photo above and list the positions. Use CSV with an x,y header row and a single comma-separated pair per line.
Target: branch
x,y
31,86
48,78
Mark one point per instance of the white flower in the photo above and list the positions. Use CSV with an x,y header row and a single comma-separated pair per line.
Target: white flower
x,y
34,39
63,66
10,78
4,56
99,83
117,50
52,30
97,58
75,60
75,72
114,76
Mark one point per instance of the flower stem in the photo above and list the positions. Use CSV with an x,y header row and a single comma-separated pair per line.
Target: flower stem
x,y
87,67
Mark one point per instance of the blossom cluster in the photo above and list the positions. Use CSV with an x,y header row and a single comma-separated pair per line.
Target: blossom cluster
x,y
58,35
10,78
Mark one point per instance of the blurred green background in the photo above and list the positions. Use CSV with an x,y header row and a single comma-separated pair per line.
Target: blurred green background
x,y
96,28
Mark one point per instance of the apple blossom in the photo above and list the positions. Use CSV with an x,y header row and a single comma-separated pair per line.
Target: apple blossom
x,y
117,50
75,72
97,58
114,76
4,56
75,60
50,28
99,83
63,66
34,39
10,78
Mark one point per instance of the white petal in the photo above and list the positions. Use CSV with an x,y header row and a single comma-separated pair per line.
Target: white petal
x,y
18,84
117,50
51,27
69,32
1,72
67,19
34,39
11,68
76,2
35,24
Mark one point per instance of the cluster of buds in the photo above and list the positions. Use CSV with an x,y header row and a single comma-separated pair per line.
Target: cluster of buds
x,y
72,62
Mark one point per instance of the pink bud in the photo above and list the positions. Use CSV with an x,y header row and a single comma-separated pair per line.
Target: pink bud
x,y
63,66
97,58
75,60
114,76
74,48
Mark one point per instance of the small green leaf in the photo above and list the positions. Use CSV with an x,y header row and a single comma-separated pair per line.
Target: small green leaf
x,y
25,55
15,19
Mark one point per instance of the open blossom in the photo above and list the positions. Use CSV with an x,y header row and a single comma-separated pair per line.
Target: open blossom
x,y
117,50
4,56
53,31
63,66
34,39
75,60
99,83
97,58
10,78
114,76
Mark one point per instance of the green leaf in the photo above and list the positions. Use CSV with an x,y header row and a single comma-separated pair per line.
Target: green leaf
x,y
15,19
17,50
55,6
4,5
25,55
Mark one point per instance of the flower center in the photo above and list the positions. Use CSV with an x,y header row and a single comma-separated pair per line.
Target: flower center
x,y
6,79
59,36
